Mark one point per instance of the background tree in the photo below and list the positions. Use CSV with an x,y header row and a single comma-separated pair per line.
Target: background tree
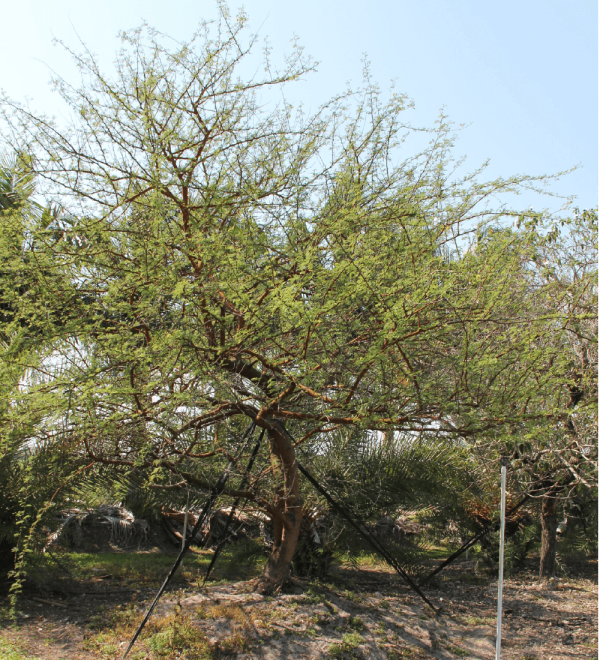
x,y
232,262
34,453
560,459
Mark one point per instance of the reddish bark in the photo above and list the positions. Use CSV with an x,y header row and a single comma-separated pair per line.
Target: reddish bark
x,y
549,524
286,530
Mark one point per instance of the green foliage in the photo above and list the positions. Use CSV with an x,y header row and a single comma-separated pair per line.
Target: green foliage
x,y
517,548
9,651
36,460
381,474
183,639
17,182
579,528
423,480
350,641
216,258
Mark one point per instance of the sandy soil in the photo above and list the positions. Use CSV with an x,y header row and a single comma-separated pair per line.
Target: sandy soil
x,y
367,614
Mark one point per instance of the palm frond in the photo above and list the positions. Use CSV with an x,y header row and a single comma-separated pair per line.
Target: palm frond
x,y
17,181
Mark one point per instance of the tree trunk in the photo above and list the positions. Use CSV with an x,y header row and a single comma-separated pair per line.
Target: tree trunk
x,y
549,523
286,529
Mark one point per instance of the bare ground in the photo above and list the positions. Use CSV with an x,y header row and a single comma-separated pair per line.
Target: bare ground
x,y
359,614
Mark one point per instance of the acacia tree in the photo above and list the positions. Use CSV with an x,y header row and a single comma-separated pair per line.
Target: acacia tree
x,y
560,458
232,262
31,461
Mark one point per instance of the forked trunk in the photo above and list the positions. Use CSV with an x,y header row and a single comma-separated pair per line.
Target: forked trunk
x,y
286,529
549,523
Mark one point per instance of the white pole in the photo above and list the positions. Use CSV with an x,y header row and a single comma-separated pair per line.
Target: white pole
x,y
185,526
501,572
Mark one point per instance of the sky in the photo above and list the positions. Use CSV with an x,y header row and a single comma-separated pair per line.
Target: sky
x,y
521,75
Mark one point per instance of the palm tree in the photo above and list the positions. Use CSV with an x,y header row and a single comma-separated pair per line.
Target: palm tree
x,y
17,182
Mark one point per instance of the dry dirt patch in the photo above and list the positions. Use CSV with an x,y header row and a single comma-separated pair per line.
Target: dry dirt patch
x,y
360,614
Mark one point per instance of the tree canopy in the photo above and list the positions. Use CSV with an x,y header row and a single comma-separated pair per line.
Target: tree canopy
x,y
220,258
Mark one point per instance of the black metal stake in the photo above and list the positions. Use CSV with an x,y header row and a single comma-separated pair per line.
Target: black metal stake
x,y
371,540
242,485
363,531
214,494
471,542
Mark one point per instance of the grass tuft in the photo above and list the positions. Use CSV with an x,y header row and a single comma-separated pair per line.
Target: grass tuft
x,y
10,651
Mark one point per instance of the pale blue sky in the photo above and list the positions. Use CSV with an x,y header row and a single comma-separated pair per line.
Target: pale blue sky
x,y
523,74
